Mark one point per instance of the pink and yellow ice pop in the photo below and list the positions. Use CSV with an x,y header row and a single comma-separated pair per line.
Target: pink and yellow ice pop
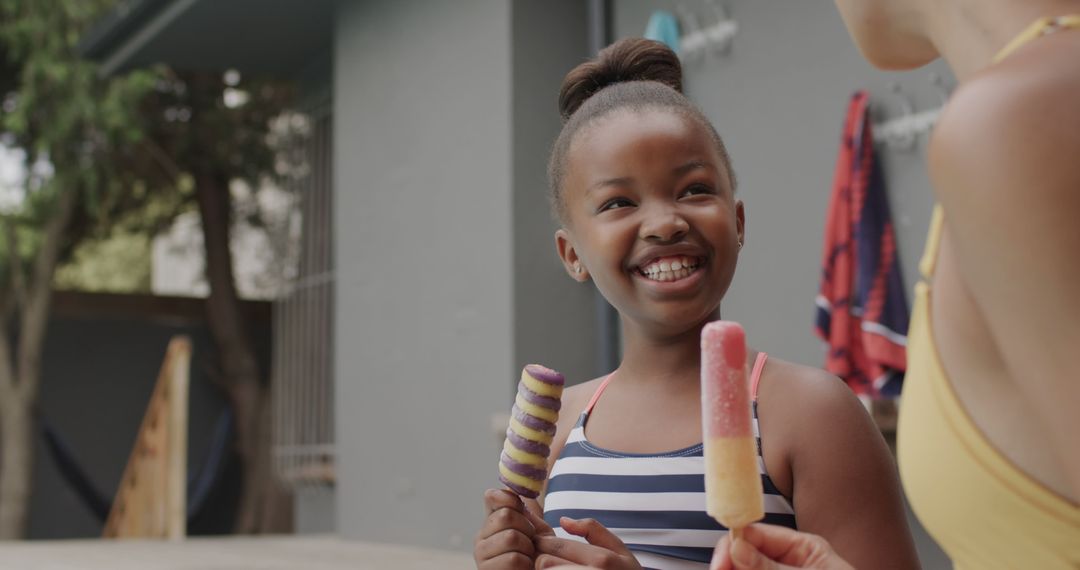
x,y
733,493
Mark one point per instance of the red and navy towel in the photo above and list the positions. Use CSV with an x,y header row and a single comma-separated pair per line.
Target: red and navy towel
x,y
862,312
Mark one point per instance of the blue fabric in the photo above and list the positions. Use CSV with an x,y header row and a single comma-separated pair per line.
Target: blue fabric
x,y
199,483
74,474
663,27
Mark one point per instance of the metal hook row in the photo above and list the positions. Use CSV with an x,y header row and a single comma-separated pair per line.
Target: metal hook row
x,y
903,132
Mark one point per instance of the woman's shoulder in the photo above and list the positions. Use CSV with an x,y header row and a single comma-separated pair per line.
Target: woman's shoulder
x,y
1044,71
1017,117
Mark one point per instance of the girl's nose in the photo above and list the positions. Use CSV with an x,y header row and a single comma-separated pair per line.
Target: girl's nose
x,y
664,225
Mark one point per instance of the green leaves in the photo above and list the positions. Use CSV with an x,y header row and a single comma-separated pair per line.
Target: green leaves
x,y
63,115
62,107
128,144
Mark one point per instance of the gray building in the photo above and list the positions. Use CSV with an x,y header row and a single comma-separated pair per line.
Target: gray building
x,y
439,116
445,281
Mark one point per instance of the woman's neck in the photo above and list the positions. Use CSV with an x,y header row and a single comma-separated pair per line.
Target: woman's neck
x,y
969,33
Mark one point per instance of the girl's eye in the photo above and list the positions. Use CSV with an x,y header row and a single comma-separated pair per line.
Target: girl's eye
x,y
697,189
615,203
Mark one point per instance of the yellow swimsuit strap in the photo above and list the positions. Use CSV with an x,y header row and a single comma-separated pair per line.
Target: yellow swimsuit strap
x,y
1040,27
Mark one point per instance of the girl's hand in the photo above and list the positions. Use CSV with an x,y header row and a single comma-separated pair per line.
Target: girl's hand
x,y
768,547
604,550
505,541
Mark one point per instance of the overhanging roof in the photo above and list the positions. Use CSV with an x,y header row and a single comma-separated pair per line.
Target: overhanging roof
x,y
272,37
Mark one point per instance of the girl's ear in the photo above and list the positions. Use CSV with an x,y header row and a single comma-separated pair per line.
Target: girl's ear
x,y
740,221
574,266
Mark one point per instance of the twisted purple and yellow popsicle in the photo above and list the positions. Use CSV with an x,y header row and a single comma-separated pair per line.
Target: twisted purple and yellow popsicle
x,y
523,462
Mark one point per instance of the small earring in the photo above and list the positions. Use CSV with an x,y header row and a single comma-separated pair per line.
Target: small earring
x,y
740,244
577,269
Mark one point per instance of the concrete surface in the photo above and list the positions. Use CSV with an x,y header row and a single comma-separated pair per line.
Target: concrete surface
x,y
262,553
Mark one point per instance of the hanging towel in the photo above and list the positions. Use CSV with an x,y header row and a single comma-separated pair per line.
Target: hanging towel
x,y
862,312
663,27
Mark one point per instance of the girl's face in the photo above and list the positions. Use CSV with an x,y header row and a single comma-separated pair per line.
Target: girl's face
x,y
651,218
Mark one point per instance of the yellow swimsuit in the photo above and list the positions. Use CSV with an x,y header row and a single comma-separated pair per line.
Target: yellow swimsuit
x,y
983,510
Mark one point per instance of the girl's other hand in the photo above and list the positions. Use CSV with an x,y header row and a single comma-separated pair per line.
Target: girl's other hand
x,y
604,550
768,547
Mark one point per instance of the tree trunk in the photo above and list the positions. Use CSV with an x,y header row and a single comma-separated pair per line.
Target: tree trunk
x,y
270,510
19,383
16,467
261,495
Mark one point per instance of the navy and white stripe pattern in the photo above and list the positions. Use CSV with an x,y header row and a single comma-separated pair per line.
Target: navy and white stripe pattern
x,y
655,503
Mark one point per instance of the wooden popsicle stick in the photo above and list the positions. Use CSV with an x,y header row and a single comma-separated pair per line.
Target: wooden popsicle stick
x,y
736,533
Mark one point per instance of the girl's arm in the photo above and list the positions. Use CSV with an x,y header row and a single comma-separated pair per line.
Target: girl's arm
x,y
841,475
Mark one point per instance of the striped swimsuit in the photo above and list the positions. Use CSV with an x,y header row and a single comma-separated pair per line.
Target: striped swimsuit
x,y
655,503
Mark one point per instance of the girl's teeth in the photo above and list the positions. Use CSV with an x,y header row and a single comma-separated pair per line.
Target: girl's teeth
x,y
661,275
670,270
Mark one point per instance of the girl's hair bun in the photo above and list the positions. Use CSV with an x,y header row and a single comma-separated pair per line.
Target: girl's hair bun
x,y
630,59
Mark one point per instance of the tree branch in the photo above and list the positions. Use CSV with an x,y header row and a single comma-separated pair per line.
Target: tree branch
x,y
7,302
18,280
163,160
7,372
35,314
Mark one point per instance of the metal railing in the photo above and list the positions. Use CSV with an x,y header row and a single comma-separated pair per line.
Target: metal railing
x,y
302,376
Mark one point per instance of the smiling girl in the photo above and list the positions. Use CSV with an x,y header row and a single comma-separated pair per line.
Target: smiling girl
x,y
644,190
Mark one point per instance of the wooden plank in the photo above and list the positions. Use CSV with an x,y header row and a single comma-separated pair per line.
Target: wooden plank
x,y
151,501
175,506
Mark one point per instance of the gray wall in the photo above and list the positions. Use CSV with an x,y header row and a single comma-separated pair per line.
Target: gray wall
x,y
553,314
778,100
315,510
436,208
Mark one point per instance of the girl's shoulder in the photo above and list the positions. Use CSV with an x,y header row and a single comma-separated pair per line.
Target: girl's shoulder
x,y
793,396
806,416
574,400
583,390
783,380
576,397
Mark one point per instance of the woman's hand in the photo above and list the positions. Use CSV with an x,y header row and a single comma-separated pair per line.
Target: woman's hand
x,y
768,547
604,550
